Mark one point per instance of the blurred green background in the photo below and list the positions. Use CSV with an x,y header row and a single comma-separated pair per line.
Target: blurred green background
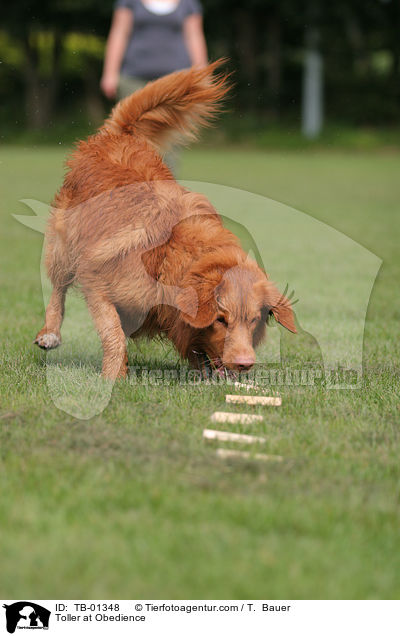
x,y
51,57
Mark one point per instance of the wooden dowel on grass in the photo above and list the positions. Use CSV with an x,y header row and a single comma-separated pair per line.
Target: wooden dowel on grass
x,y
250,386
225,436
235,418
226,453
254,400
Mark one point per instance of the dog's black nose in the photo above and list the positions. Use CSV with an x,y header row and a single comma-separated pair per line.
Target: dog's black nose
x,y
244,363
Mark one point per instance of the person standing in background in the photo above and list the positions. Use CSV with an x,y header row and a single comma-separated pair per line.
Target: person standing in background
x,y
149,39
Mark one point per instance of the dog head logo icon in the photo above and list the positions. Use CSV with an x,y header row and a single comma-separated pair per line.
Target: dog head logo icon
x,y
26,615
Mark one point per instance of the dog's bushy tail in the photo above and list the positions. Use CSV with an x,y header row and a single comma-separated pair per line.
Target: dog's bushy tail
x,y
171,110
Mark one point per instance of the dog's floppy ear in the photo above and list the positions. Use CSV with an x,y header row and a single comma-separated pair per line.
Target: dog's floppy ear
x,y
279,306
199,309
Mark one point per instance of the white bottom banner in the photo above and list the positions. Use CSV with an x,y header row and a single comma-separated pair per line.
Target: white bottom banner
x,y
214,617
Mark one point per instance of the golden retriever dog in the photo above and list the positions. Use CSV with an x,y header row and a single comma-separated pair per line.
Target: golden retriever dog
x,y
151,257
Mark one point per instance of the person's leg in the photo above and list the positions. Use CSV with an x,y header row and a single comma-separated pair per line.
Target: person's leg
x,y
171,158
128,85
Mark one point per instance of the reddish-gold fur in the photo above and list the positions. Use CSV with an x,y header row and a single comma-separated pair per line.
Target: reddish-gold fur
x,y
150,256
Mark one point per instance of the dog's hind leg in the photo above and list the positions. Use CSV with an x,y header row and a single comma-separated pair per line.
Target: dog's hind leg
x,y
49,337
108,325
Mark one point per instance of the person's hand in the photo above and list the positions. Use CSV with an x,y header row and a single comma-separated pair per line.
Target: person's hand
x,y
108,85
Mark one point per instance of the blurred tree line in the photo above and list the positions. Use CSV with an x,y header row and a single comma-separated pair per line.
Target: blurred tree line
x,y
51,57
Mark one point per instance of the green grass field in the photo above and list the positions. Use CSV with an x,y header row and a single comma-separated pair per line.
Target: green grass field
x,y
132,503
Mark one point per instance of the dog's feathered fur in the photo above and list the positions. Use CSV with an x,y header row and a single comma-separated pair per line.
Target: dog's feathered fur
x,y
150,256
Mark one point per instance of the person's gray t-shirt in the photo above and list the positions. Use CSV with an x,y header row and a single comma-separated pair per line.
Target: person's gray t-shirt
x,y
156,45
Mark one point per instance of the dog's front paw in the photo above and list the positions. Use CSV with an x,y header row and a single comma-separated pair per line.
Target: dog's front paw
x,y
47,340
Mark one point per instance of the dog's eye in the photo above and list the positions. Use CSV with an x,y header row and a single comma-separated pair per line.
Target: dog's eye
x,y
222,320
253,322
